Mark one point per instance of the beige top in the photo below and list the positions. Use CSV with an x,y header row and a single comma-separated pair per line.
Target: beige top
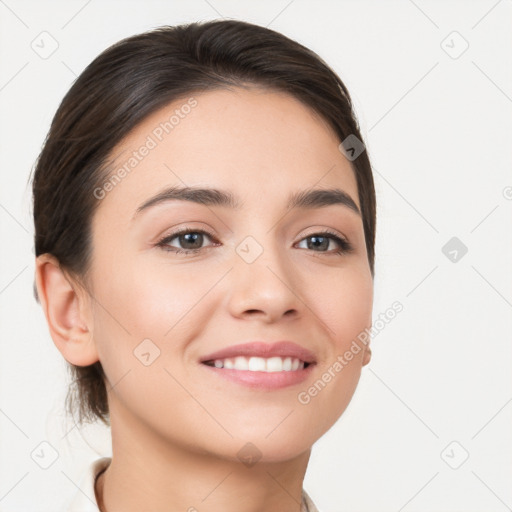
x,y
85,499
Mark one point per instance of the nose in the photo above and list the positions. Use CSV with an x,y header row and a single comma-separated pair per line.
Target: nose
x,y
266,288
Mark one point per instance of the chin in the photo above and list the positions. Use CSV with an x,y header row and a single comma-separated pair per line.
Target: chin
x,y
280,446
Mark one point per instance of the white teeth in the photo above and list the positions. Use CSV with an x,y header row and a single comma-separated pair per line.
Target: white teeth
x,y
260,364
257,364
229,364
274,364
241,363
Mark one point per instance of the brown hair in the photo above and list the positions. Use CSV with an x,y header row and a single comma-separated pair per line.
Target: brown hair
x,y
132,79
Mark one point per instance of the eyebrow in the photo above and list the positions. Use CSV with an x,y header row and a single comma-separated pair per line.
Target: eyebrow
x,y
305,199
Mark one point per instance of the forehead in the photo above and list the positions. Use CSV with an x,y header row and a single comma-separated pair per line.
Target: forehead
x,y
255,142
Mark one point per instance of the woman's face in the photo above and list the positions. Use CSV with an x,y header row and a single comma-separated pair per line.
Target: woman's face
x,y
260,272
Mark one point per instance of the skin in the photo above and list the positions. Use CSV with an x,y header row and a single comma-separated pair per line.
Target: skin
x,y
171,451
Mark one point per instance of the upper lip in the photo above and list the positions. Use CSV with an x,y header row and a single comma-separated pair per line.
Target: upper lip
x,y
263,349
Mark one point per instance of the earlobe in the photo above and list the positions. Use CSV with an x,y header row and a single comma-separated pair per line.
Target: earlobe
x,y
65,312
367,355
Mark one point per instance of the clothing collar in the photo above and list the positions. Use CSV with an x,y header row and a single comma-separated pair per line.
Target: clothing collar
x,y
85,498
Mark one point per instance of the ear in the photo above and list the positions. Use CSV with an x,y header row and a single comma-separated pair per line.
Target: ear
x,y
367,355
67,310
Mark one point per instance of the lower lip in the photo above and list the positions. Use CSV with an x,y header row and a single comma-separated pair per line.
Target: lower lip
x,y
263,380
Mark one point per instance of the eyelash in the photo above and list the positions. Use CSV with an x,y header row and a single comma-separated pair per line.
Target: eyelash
x,y
345,246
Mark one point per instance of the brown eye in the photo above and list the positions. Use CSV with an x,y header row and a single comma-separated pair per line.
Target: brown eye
x,y
185,241
320,242
191,240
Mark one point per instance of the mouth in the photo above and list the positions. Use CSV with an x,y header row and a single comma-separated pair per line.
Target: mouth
x,y
261,365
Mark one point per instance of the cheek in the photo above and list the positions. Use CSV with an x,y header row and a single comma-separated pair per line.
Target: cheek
x,y
141,327
153,301
151,309
344,302
327,397
346,313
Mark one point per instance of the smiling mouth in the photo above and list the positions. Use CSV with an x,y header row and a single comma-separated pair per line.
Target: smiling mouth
x,y
259,364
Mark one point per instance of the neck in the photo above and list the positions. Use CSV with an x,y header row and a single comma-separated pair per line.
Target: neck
x,y
148,472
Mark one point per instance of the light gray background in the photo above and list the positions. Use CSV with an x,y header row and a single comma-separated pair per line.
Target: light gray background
x,y
438,127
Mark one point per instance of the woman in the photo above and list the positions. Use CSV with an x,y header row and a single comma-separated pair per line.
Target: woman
x,y
204,216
